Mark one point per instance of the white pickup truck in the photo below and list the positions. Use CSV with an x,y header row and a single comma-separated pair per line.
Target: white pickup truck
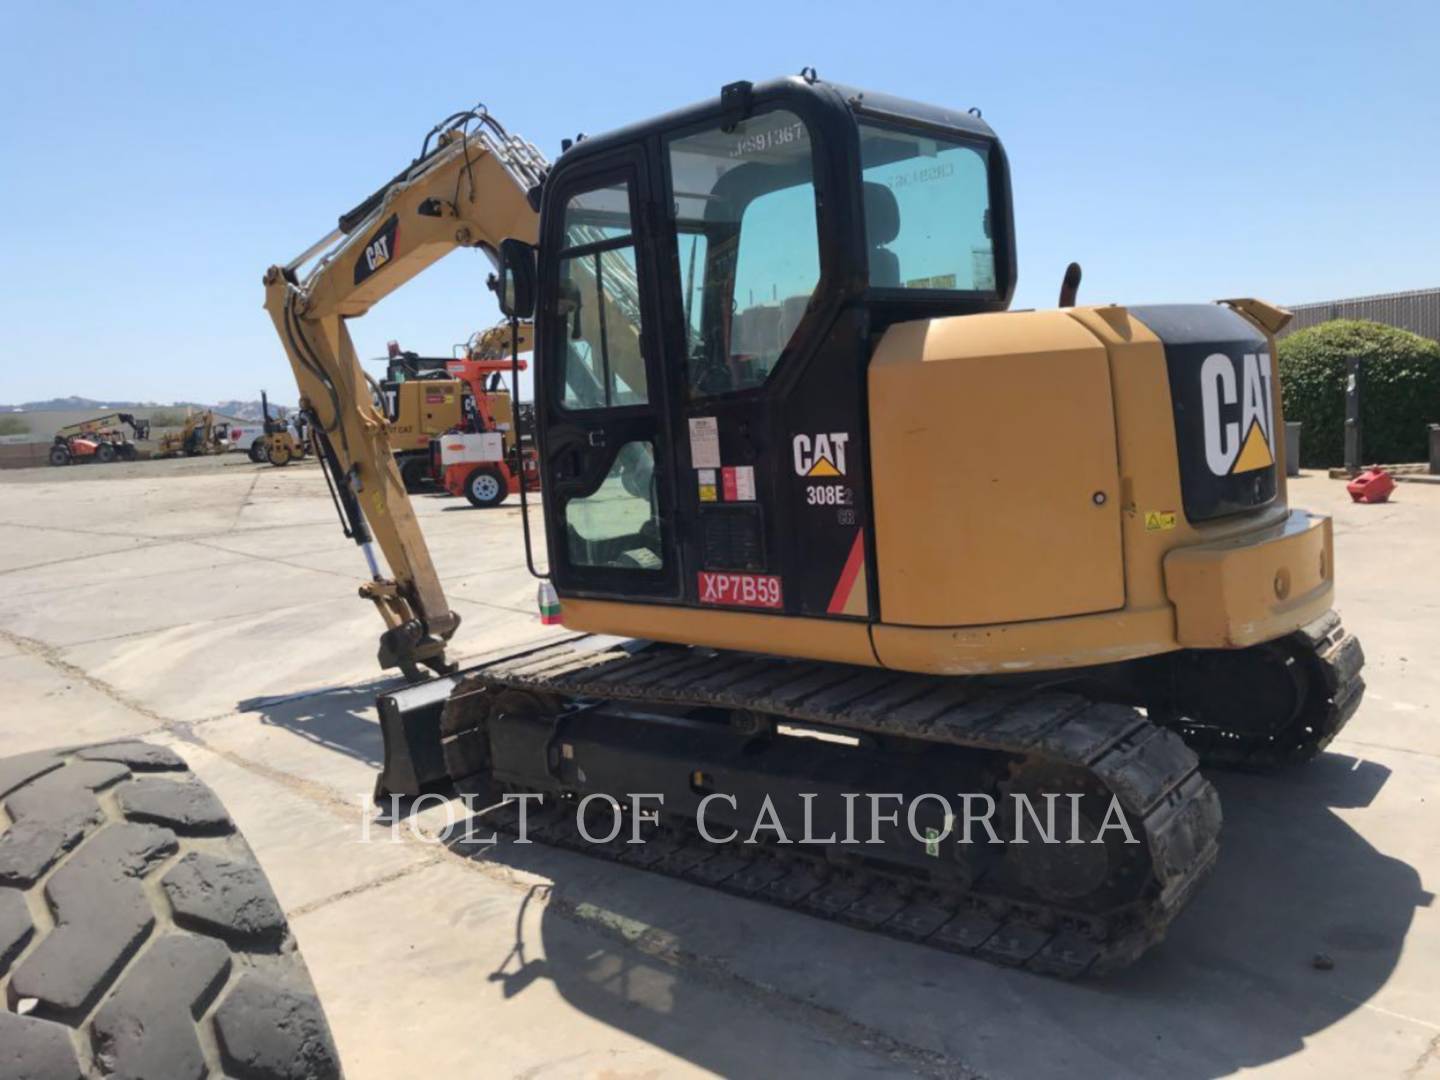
x,y
247,437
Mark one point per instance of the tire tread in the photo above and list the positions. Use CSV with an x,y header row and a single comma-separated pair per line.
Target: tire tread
x,y
140,908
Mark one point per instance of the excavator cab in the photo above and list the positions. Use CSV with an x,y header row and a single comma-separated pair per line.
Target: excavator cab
x,y
710,289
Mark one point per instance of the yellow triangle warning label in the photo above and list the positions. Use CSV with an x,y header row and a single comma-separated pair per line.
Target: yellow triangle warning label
x,y
1255,454
822,467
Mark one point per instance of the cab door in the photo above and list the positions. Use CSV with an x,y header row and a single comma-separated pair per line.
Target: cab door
x,y
767,370
608,500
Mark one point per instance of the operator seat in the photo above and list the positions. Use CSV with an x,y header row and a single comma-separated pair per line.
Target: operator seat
x,y
882,226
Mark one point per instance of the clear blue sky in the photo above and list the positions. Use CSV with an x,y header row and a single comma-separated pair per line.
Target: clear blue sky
x,y
157,157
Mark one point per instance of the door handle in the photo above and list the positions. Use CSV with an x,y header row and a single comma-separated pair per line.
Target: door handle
x,y
596,437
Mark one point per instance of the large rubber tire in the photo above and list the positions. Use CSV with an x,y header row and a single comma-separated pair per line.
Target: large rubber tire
x,y
259,453
138,935
105,453
485,487
59,455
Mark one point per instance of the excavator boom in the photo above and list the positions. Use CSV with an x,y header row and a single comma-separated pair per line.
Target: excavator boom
x,y
471,189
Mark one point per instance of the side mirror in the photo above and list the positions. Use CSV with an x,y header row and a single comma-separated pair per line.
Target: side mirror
x,y
514,284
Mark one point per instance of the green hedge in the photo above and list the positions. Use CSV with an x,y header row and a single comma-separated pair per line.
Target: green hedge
x,y
1400,391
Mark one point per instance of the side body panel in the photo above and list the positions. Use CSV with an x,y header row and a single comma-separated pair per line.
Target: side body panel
x,y
1158,581
997,496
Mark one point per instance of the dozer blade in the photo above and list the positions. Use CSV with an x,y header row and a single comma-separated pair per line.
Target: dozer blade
x,y
414,762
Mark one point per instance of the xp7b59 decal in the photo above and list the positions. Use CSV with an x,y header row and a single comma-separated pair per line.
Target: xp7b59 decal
x,y
1222,383
741,590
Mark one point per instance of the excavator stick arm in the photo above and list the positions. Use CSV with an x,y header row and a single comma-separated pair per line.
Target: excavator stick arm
x,y
470,191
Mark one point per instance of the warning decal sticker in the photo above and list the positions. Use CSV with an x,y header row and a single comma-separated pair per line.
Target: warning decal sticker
x,y
738,483
1159,520
704,442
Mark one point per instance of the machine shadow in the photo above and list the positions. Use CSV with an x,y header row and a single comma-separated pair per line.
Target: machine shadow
x,y
338,718
1233,986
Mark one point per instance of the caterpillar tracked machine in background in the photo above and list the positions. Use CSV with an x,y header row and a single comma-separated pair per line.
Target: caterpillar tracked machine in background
x,y
855,527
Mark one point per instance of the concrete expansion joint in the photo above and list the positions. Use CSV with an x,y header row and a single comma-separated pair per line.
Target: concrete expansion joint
x,y
364,887
245,500
50,656
1429,1054
274,560
318,794
1388,748
88,557
108,534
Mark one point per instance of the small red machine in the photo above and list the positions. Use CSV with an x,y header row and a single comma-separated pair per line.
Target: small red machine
x,y
488,459
1371,486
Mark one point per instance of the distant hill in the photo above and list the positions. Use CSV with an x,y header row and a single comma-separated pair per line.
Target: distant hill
x,y
73,404
241,410
37,421
236,410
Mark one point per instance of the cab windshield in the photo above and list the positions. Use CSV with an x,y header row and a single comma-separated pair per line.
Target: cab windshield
x,y
745,221
927,210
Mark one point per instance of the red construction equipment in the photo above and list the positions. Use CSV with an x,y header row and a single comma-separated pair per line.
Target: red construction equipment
x,y
99,439
486,458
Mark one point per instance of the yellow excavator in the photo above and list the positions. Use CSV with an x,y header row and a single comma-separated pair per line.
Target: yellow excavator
x,y
831,525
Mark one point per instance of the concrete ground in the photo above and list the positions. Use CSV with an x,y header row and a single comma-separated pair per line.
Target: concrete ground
x,y
211,605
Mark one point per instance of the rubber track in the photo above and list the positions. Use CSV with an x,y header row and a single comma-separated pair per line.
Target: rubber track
x,y
1154,774
138,935
1333,659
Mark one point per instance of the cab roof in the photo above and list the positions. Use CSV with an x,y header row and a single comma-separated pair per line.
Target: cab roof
x,y
742,97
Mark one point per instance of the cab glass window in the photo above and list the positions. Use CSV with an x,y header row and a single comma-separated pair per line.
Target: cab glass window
x,y
602,214
927,211
618,526
599,303
745,218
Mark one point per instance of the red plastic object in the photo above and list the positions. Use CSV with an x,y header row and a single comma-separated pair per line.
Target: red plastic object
x,y
1371,486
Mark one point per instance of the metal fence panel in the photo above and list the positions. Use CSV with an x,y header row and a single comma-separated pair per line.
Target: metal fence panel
x,y
1417,311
